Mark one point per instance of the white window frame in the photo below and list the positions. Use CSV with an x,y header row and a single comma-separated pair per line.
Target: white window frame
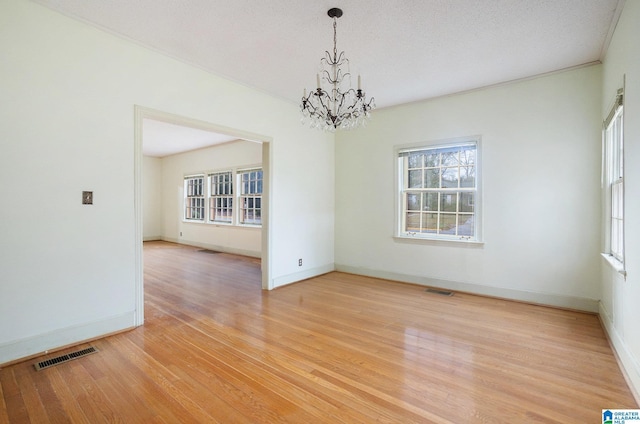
x,y
613,181
221,198
194,198
402,191
242,203
249,199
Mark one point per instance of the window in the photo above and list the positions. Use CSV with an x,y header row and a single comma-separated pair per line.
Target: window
x,y
438,191
250,196
221,200
614,177
226,205
194,198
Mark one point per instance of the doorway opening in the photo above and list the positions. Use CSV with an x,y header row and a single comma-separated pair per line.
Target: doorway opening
x,y
149,120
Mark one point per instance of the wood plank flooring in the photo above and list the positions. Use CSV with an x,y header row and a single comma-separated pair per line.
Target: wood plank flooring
x,y
338,348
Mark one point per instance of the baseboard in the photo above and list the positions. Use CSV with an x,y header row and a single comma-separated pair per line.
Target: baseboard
x,y
225,249
628,364
550,299
27,347
302,275
151,238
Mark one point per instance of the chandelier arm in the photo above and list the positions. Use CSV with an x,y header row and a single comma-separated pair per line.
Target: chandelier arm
x,y
327,76
322,103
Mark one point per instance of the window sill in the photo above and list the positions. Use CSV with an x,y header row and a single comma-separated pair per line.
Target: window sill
x,y
223,224
428,240
255,226
614,263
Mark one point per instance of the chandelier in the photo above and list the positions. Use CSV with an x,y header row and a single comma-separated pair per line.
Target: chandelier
x,y
338,106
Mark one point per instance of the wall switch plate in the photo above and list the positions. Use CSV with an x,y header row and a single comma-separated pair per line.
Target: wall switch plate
x,y
87,197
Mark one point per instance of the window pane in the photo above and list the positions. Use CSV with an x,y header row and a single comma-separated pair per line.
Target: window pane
x,y
466,202
465,225
449,202
468,176
412,222
468,156
415,179
447,223
413,202
450,157
430,202
620,239
432,160
432,178
467,166
431,223
415,160
450,177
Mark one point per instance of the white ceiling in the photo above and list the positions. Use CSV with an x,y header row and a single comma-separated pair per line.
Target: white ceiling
x,y
405,50
162,139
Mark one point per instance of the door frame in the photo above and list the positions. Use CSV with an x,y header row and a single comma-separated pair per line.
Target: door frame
x,y
140,114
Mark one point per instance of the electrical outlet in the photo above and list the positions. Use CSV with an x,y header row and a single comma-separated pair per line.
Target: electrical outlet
x,y
180,233
300,262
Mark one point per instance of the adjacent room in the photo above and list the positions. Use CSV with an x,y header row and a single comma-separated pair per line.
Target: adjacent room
x,y
222,217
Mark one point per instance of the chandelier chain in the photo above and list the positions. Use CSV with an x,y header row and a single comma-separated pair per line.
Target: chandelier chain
x,y
335,39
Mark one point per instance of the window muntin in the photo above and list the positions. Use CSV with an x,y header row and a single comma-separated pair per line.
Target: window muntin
x,y
221,198
438,191
615,180
194,198
250,197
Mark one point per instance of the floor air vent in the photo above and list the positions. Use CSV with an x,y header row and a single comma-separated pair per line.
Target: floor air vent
x,y
211,252
440,292
64,358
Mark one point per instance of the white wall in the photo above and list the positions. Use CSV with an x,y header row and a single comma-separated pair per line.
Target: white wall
x,y
152,198
68,271
540,176
233,239
619,307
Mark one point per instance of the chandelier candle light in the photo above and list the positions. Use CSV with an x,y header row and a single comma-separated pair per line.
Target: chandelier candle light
x,y
340,106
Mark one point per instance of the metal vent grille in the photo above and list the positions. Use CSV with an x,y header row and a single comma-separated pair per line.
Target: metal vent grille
x,y
64,358
440,292
211,252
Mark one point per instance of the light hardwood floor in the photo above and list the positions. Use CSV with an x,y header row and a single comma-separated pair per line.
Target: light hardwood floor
x,y
338,348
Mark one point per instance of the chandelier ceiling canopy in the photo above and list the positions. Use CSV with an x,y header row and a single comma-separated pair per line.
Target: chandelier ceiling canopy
x,y
334,103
